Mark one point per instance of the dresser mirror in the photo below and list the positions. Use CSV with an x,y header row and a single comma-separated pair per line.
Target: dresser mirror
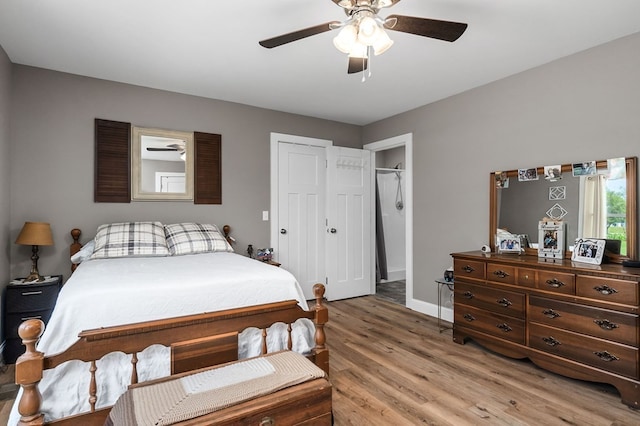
x,y
601,205
162,164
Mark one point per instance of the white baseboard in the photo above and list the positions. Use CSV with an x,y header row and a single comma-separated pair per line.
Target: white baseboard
x,y
430,309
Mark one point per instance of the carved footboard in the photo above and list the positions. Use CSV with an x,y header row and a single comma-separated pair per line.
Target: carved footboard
x,y
196,341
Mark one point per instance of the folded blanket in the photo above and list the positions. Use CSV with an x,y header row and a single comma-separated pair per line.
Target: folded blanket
x,y
194,395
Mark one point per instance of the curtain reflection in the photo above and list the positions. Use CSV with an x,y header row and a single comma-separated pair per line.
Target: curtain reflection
x,y
594,211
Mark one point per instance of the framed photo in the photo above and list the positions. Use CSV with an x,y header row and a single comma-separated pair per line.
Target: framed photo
x,y
551,239
588,251
553,173
508,244
264,254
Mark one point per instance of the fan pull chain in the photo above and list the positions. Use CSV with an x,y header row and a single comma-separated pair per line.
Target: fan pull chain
x,y
370,58
363,73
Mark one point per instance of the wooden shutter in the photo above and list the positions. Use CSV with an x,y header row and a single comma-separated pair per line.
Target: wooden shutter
x,y
112,182
208,168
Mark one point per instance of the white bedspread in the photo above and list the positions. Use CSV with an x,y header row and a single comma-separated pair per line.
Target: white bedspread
x,y
107,292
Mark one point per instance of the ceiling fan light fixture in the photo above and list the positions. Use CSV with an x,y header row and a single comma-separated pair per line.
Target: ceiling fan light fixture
x,y
383,3
359,50
382,43
368,31
346,38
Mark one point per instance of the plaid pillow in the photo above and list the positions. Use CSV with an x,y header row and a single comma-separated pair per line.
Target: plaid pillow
x,y
191,238
130,239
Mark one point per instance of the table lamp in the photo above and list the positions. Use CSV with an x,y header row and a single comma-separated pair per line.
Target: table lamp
x,y
35,234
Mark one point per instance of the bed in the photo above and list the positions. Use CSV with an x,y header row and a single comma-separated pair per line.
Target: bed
x,y
163,311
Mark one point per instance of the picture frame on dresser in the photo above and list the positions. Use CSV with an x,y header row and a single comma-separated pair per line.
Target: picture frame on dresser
x,y
509,243
551,239
588,250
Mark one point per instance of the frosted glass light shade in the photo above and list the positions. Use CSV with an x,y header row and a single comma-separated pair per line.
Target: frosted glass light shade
x,y
382,43
345,39
368,31
359,50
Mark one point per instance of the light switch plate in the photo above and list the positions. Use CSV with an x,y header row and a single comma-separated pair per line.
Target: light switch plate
x,y
265,215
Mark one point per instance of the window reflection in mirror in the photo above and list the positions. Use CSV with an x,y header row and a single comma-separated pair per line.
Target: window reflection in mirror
x,y
597,206
162,164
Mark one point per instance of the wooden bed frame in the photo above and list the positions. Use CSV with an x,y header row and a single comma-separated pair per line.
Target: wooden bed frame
x,y
195,341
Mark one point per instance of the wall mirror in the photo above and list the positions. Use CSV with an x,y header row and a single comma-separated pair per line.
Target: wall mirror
x,y
601,205
161,164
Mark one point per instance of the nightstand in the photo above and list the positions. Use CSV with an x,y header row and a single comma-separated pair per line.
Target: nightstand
x,y
23,302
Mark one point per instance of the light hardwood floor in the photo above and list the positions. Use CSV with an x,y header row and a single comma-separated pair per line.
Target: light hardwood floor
x,y
390,366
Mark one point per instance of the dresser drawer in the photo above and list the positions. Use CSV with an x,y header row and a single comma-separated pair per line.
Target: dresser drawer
x,y
609,356
31,298
607,289
527,277
501,273
468,268
557,282
493,299
502,326
604,323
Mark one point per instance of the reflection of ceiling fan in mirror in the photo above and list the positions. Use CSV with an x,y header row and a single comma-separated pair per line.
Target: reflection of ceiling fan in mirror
x,y
363,32
177,147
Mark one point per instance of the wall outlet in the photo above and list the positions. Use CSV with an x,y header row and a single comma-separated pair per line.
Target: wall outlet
x,y
265,215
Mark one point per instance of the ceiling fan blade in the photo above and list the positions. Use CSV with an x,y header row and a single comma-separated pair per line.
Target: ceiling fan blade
x,y
161,149
357,65
433,28
297,35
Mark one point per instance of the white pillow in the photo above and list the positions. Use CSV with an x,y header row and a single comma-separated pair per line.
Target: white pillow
x,y
192,238
128,239
84,253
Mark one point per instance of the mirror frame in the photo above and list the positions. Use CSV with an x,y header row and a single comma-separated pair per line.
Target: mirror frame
x,y
632,207
136,165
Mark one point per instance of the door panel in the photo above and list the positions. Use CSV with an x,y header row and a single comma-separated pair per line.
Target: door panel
x,y
348,223
301,207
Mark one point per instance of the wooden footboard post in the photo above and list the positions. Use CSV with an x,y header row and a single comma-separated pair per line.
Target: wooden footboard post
x,y
29,373
321,318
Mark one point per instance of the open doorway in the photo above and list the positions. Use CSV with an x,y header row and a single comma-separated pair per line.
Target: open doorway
x,y
391,232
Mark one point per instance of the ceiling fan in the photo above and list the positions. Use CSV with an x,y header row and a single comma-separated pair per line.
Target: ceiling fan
x,y
171,147
178,147
364,31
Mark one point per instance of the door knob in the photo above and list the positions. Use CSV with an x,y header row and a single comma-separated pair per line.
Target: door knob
x,y
333,230
283,231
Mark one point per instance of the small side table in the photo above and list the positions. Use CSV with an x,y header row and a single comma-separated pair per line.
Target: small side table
x,y
441,282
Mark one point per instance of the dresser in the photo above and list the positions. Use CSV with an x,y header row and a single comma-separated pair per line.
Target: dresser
x,y
23,302
574,319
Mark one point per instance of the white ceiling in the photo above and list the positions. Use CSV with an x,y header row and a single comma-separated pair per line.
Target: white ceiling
x,y
210,48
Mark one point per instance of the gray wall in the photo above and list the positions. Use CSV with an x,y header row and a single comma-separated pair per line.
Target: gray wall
x,y
52,116
5,155
582,107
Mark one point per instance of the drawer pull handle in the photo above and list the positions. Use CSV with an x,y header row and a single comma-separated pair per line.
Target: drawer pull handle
x,y
31,293
469,317
468,269
555,283
501,274
606,356
468,295
33,317
551,341
605,290
504,327
505,303
550,313
267,421
605,324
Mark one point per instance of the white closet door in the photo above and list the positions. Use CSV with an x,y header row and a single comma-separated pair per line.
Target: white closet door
x,y
301,213
348,223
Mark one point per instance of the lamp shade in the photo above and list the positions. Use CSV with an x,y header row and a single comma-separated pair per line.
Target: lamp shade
x,y
35,234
